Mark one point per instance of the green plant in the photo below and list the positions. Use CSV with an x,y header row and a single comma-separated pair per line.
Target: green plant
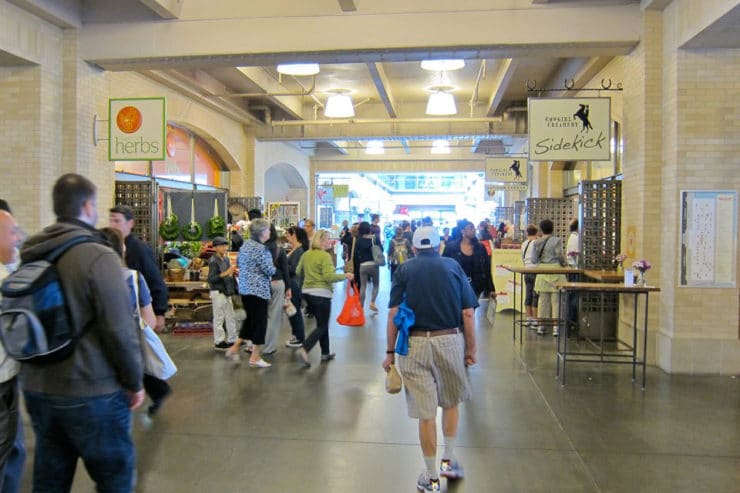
x,y
192,231
216,227
169,230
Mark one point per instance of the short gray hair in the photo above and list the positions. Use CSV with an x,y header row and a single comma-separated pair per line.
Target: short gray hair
x,y
257,227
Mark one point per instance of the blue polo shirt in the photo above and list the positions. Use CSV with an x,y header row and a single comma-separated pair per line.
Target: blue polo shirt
x,y
436,289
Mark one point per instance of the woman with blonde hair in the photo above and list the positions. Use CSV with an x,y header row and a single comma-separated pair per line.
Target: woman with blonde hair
x,y
319,274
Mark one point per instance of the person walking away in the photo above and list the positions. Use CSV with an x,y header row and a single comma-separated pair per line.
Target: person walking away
x,y
548,253
222,285
573,251
318,276
12,446
299,245
279,293
375,228
474,260
530,296
255,270
441,344
140,257
365,265
398,250
95,388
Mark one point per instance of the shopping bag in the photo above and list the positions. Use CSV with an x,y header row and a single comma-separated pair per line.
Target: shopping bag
x,y
393,382
157,362
352,314
378,256
491,311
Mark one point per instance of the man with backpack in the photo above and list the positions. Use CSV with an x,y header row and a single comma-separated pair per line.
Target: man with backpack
x,y
80,405
12,448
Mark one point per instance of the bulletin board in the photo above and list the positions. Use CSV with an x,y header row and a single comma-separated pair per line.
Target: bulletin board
x,y
708,238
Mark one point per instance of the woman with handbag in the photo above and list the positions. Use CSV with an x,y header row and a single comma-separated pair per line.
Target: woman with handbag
x,y
365,265
474,260
255,270
299,245
141,306
318,274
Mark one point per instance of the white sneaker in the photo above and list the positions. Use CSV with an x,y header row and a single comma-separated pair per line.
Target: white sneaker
x,y
555,331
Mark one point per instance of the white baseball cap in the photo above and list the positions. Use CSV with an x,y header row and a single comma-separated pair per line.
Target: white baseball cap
x,y
426,237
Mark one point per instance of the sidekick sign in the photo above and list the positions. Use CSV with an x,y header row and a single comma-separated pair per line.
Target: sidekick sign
x,y
136,129
569,129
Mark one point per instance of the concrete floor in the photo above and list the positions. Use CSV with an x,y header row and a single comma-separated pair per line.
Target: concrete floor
x,y
332,428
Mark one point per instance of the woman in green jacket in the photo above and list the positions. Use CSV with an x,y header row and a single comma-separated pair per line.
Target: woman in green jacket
x,y
319,274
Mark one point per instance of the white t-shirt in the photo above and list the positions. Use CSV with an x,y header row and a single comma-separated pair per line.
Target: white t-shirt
x,y
528,250
574,244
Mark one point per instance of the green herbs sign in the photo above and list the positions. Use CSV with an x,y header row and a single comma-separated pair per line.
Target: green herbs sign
x,y
136,129
569,129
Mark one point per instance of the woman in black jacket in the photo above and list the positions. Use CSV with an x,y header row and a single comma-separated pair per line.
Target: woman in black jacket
x,y
474,260
280,291
365,267
299,242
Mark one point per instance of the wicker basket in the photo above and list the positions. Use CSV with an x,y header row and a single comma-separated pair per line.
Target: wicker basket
x,y
175,274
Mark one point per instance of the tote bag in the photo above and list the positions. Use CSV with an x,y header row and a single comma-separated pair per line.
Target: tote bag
x,y
157,361
378,256
352,314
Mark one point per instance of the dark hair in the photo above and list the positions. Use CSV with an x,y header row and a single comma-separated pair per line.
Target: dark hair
x,y
70,193
574,225
485,234
5,207
546,227
300,235
373,217
531,229
427,221
464,223
115,238
124,210
254,214
364,228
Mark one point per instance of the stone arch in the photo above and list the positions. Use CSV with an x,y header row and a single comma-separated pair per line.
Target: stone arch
x,y
284,183
228,159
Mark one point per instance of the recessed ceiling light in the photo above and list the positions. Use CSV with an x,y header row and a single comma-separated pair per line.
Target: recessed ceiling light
x,y
440,146
298,68
374,147
442,65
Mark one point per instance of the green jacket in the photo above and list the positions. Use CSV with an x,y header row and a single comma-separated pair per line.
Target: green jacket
x,y
317,270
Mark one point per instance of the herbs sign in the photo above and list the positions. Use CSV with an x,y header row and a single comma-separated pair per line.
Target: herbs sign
x,y
136,129
569,129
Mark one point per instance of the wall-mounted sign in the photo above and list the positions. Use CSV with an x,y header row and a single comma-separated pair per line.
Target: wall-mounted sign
x,y
506,170
136,129
325,195
492,189
569,129
341,191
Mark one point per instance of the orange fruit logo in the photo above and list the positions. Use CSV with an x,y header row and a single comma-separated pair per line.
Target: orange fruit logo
x,y
129,119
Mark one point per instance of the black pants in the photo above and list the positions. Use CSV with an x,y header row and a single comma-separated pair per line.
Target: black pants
x,y
297,327
156,389
255,325
321,308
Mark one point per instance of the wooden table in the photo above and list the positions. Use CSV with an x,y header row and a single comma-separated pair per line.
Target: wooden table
x,y
604,275
601,354
522,271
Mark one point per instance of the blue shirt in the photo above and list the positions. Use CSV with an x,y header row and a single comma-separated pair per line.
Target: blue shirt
x,y
436,289
255,269
145,296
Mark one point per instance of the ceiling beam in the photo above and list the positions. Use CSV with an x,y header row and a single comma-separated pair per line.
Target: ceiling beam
x,y
580,70
166,9
245,41
62,13
293,105
654,4
503,79
377,73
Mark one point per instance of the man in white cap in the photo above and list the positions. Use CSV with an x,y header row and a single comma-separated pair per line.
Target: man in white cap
x,y
441,346
222,285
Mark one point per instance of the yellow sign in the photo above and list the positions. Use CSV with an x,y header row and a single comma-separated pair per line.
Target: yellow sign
x,y
503,279
341,191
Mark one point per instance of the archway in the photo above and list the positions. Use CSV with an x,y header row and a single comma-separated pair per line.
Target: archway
x,y
284,183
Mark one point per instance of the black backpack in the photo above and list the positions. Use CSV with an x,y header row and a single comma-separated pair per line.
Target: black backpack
x,y
35,324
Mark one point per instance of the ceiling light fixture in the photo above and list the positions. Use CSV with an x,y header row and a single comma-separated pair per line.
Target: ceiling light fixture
x,y
440,65
441,101
440,146
339,104
298,68
374,147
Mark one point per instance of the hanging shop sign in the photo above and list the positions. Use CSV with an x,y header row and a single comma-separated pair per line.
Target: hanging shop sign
x,y
506,170
325,195
491,190
569,129
136,129
341,191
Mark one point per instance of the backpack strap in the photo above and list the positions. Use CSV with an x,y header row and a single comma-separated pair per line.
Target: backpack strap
x,y
55,254
539,257
524,255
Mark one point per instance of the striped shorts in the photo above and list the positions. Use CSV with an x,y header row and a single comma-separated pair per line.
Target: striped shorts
x,y
434,374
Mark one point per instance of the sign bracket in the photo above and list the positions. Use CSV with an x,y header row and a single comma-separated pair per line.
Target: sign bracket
x,y
569,85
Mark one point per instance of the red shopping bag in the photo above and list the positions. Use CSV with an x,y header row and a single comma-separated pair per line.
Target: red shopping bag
x,y
352,314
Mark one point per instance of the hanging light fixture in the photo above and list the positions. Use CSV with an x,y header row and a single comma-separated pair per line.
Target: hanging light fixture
x,y
298,69
441,101
442,65
339,104
440,146
374,147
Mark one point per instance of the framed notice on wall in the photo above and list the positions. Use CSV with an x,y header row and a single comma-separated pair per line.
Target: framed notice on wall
x,y
569,129
708,238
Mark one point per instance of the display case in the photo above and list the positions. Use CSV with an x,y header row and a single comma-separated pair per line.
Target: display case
x,y
284,214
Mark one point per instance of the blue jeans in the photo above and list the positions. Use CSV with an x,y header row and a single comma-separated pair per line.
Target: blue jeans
x,y
96,429
13,455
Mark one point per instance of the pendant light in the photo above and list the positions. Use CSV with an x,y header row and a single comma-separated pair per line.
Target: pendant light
x,y
441,101
339,104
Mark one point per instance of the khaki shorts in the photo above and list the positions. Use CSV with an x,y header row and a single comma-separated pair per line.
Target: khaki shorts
x,y
434,374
